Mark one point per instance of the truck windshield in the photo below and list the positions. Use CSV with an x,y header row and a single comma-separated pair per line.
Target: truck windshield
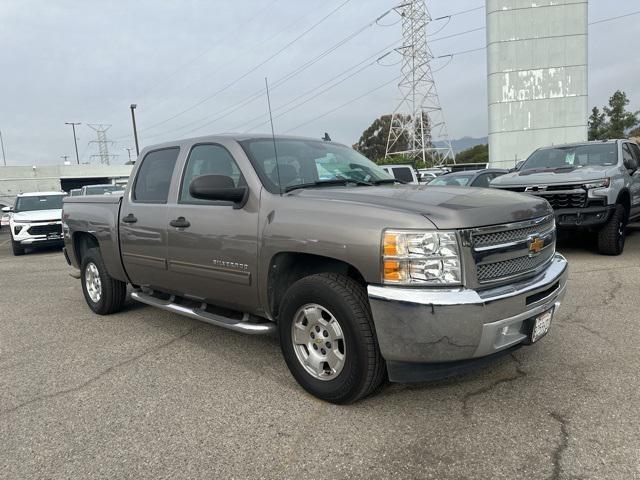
x,y
604,154
309,163
44,202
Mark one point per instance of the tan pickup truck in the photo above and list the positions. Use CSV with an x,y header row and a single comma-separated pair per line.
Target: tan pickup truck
x,y
363,278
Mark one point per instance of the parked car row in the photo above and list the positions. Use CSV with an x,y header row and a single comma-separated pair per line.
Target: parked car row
x,y
35,219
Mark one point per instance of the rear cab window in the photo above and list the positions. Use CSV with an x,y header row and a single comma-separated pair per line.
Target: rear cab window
x,y
403,174
153,179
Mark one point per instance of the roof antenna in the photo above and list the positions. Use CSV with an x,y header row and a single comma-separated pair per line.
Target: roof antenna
x,y
273,135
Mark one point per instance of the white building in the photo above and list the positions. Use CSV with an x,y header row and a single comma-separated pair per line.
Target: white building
x,y
40,178
537,76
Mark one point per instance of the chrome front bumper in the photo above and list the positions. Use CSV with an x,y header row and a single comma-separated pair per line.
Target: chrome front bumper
x,y
418,325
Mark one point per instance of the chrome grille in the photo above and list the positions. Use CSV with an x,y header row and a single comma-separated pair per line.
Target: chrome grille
x,y
502,252
512,267
508,236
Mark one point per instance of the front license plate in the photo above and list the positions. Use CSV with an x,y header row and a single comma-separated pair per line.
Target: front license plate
x,y
541,325
53,236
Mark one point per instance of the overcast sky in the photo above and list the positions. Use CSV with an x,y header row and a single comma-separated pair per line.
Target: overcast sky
x,y
87,61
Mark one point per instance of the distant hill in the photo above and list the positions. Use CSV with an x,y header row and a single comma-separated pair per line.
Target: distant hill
x,y
464,143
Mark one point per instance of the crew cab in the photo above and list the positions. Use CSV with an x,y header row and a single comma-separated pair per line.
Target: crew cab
x,y
36,220
362,278
593,187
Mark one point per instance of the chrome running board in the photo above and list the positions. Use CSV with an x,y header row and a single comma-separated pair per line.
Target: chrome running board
x,y
199,313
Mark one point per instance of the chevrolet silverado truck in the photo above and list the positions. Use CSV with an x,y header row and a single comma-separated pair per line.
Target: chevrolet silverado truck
x,y
362,278
592,186
35,221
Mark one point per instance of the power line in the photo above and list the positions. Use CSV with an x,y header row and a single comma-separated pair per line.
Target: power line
x,y
251,70
369,92
317,93
603,20
260,93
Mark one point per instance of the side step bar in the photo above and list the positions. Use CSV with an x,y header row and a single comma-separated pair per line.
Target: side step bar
x,y
243,326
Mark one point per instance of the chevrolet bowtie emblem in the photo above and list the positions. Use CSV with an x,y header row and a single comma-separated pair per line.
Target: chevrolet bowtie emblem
x,y
535,245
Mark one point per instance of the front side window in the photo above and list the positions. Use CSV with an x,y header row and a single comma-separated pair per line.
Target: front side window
x,y
570,157
154,177
43,202
302,162
482,181
209,159
403,174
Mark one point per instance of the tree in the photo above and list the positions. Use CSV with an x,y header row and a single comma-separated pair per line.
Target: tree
x,y
597,124
620,120
373,141
476,154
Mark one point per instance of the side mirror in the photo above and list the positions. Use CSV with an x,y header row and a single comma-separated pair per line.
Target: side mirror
x,y
220,188
630,164
7,209
518,165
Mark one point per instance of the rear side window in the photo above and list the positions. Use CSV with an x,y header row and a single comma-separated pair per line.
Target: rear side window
x,y
154,177
209,159
403,174
482,181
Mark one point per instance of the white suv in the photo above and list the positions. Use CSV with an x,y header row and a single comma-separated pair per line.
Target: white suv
x,y
36,220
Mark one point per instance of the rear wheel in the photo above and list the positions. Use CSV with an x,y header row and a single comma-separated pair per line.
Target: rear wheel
x,y
611,237
103,293
328,338
17,248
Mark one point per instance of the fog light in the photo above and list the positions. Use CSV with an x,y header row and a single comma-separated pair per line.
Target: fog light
x,y
17,229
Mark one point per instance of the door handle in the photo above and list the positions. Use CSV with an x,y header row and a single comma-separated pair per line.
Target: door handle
x,y
180,222
130,218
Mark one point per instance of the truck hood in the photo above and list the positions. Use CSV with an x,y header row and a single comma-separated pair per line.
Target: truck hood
x,y
38,216
583,174
446,207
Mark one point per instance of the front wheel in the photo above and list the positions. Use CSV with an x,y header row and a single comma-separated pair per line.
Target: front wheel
x,y
328,338
611,237
17,248
103,293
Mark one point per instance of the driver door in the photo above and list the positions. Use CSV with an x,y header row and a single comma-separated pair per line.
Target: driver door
x,y
213,246
634,187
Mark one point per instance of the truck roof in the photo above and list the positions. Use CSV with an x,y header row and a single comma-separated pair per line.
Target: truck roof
x,y
39,194
233,136
578,144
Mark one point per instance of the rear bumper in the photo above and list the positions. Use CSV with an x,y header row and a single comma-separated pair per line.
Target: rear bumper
x,y
434,326
583,217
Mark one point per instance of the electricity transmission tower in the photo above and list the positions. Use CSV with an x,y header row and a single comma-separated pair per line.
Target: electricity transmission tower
x,y
103,143
418,120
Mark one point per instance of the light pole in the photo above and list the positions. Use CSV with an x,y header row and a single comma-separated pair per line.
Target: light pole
x,y
135,131
128,149
75,140
64,158
2,143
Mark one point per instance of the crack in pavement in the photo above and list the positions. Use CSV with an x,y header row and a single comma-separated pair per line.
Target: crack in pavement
x,y
468,396
556,458
49,396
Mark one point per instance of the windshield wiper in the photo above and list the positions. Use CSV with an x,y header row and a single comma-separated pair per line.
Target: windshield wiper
x,y
318,183
387,180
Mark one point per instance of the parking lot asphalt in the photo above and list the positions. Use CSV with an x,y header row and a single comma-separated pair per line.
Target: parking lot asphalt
x,y
148,394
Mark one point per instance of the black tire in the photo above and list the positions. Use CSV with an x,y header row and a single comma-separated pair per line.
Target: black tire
x,y
17,248
611,237
364,369
113,292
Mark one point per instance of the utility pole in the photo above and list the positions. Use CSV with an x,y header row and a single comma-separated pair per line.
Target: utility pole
x,y
418,119
75,140
103,143
128,149
2,143
64,158
135,130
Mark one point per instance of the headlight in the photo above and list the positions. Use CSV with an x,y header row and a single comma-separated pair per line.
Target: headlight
x,y
604,183
421,258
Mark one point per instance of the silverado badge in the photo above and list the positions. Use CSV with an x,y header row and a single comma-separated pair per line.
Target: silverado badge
x,y
535,245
